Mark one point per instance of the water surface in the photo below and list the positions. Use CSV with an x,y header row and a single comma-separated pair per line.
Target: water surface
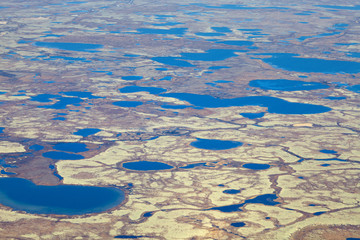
x,y
146,166
214,144
23,195
286,85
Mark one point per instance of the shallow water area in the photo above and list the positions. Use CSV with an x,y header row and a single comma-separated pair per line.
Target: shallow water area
x,y
23,195
146,166
214,144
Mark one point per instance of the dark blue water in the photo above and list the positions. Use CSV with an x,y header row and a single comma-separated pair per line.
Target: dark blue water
x,y
231,191
328,151
237,43
354,54
2,129
131,77
214,144
286,85
86,132
238,224
60,104
172,61
176,31
335,98
291,62
352,238
354,88
6,173
133,89
148,214
62,156
128,236
325,165
80,94
252,115
318,213
23,195
167,78
256,166
82,47
71,147
218,67
127,103
266,199
36,147
146,166
59,119
274,105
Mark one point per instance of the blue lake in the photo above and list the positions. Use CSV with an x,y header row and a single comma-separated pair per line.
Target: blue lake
x,y
6,173
60,104
335,98
238,224
131,77
71,147
252,115
128,236
86,132
274,105
127,103
146,166
209,34
286,85
291,62
354,88
214,144
82,47
221,29
23,195
133,89
266,199
62,155
256,166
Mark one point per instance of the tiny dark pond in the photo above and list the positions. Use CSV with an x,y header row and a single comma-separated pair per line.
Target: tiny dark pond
x,y
131,77
82,47
128,236
85,132
133,89
6,173
62,155
274,105
231,191
286,85
148,214
266,199
256,166
71,147
214,144
291,62
23,195
238,224
252,115
318,213
127,103
146,166
335,98
328,151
